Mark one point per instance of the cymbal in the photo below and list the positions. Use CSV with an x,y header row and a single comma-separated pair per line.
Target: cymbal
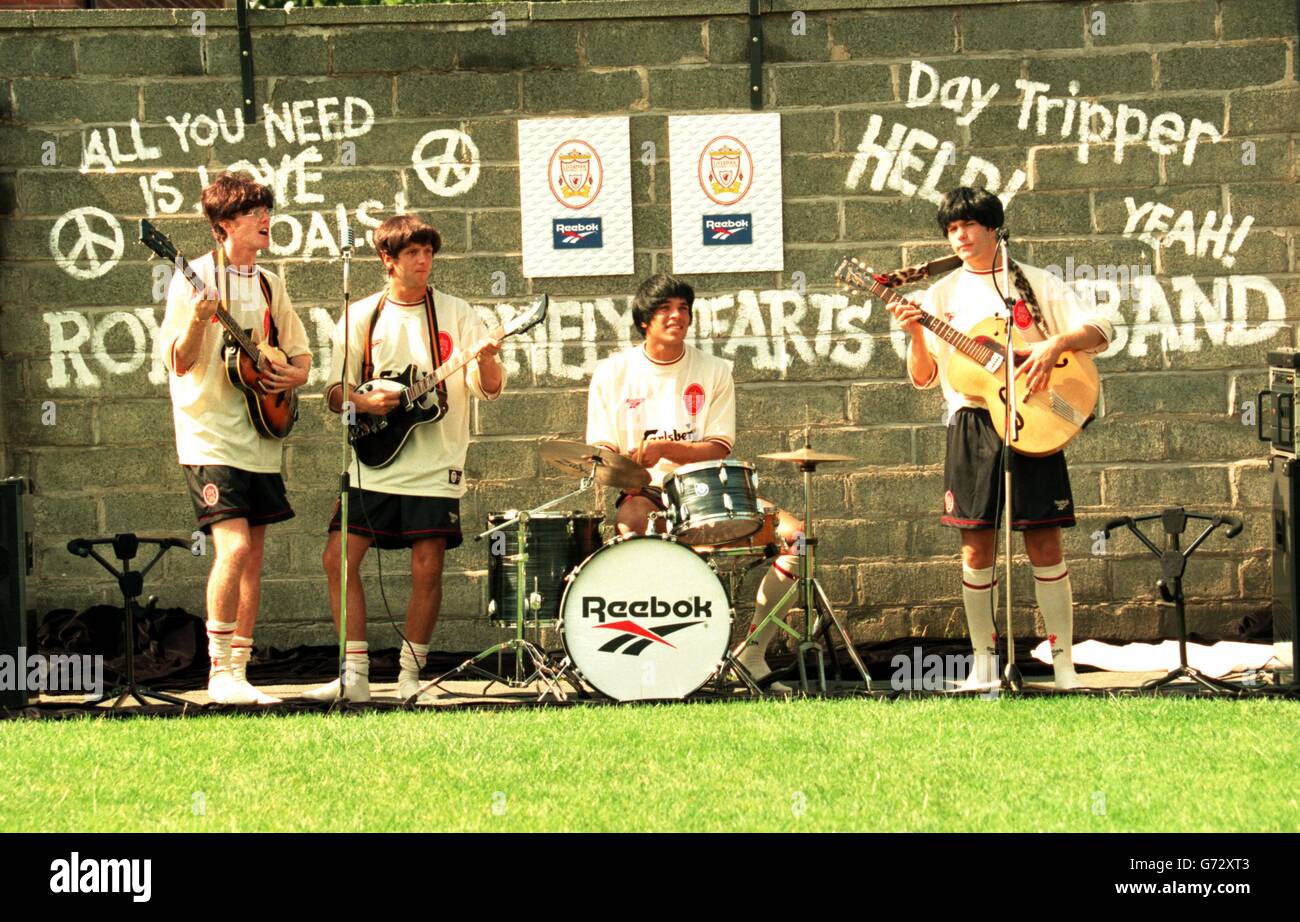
x,y
806,455
612,469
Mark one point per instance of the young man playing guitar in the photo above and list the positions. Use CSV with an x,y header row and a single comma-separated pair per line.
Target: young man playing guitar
x,y
1050,320
665,404
233,472
414,500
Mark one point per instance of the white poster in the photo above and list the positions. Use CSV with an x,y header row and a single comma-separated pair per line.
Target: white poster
x,y
575,196
726,192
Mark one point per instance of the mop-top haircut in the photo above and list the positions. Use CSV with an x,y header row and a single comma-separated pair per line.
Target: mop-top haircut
x,y
402,231
652,294
967,204
230,195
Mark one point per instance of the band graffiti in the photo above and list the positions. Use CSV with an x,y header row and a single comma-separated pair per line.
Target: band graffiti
x,y
644,611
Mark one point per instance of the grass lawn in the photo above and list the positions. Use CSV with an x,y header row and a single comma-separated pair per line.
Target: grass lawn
x,y
1084,764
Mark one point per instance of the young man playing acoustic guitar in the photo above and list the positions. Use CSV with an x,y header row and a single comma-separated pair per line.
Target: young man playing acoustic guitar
x,y
414,501
233,472
1050,320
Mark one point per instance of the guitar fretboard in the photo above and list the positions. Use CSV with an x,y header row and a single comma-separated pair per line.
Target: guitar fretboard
x,y
445,370
977,351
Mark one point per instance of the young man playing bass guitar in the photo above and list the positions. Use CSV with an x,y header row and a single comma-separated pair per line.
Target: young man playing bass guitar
x,y
233,472
1051,322
412,500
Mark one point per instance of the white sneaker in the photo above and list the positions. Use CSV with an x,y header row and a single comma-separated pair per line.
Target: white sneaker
x,y
262,697
239,672
223,689
408,686
358,692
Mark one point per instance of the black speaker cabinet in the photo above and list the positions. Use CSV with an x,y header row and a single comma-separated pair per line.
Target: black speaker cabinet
x,y
15,564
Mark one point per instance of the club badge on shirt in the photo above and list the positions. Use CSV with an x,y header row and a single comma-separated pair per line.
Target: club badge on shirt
x,y
693,397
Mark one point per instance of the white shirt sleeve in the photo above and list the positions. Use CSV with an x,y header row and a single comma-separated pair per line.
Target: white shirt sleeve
x,y
721,423
473,331
602,409
1064,311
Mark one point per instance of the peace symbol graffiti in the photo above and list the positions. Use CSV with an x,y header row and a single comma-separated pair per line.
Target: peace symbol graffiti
x,y
96,242
448,171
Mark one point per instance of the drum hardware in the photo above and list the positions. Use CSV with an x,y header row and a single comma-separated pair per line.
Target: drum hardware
x,y
540,666
806,588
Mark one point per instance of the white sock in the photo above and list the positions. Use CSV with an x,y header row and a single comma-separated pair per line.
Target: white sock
x,y
356,673
241,650
411,660
1056,602
220,635
979,597
356,662
776,582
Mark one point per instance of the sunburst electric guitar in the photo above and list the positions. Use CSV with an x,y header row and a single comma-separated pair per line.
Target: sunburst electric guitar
x,y
1047,420
378,439
248,364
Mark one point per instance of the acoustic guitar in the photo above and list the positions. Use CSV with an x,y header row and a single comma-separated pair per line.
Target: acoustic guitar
x,y
1046,420
248,364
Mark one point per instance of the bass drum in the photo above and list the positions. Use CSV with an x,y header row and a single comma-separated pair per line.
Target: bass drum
x,y
645,618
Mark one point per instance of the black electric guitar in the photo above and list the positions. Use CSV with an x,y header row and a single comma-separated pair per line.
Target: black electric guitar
x,y
378,439
248,364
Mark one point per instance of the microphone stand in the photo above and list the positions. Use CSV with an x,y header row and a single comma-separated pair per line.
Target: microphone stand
x,y
1011,678
346,411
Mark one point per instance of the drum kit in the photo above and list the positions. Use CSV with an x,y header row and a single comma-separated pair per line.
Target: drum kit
x,y
644,617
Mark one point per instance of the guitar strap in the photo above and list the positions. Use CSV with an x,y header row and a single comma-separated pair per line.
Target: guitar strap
x,y
1026,292
269,332
431,327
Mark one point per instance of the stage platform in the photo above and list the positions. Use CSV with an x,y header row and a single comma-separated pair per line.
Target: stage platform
x,y
461,694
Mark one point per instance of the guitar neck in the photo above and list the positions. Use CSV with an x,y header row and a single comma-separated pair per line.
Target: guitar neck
x,y
227,321
977,352
446,370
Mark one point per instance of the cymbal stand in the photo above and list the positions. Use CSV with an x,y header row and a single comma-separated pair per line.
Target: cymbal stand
x,y
815,602
526,605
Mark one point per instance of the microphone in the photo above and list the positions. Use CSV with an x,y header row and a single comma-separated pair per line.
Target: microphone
x,y
348,242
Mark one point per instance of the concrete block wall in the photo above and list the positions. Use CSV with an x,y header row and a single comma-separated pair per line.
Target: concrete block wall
x,y
1190,109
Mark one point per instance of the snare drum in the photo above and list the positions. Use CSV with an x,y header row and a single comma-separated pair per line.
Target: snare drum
x,y
755,545
645,618
556,542
713,502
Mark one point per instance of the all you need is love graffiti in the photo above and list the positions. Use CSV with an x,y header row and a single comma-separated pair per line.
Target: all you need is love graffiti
x,y
773,330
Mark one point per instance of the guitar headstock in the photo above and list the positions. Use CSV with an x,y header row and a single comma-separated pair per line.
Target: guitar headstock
x,y
853,276
528,318
157,241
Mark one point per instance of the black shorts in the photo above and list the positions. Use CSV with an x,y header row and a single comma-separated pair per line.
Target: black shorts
x,y
654,494
393,520
972,480
220,493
